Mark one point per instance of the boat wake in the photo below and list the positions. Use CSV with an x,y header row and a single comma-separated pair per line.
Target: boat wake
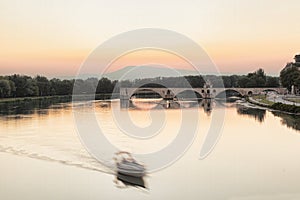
x,y
85,162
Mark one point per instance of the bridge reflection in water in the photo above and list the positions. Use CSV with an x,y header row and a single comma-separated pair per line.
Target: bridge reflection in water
x,y
243,108
160,103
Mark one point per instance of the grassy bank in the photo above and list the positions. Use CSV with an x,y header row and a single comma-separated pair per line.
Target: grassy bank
x,y
261,100
296,100
286,107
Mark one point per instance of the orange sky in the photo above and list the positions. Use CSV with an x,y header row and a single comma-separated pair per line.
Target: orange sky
x,y
150,57
53,38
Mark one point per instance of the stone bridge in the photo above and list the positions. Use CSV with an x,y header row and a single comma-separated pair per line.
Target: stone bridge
x,y
127,93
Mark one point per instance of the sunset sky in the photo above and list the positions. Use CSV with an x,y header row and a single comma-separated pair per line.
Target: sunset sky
x,y
54,37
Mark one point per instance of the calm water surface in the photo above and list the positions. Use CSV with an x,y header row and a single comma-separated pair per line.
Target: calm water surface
x,y
257,156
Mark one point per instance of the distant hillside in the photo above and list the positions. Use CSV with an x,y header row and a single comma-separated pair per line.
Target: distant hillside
x,y
141,72
136,72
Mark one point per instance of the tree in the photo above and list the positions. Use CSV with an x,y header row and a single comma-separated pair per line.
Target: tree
x,y
59,87
227,81
243,81
90,85
12,88
234,80
105,86
272,81
290,76
24,86
5,89
257,79
31,89
195,81
43,85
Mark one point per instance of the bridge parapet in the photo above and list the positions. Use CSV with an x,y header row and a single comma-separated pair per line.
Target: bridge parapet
x,y
127,93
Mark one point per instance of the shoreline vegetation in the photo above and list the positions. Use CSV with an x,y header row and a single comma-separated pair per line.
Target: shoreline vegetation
x,y
13,86
19,99
295,100
17,88
262,101
64,97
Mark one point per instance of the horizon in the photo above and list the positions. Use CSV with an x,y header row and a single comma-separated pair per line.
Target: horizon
x,y
87,76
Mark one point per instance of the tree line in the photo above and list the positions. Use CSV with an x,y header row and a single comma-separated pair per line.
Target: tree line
x,y
26,86
257,79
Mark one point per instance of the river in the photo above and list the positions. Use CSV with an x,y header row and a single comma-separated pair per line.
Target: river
x,y
255,157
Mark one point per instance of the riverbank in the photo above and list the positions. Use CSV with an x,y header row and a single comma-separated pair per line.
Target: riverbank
x,y
66,97
261,100
19,99
293,99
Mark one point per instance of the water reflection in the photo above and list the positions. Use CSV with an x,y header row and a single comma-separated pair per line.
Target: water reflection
x,y
129,181
32,106
24,109
257,114
207,105
291,121
146,104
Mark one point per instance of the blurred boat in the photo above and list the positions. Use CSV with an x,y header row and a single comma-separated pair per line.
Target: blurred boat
x,y
131,180
128,166
104,104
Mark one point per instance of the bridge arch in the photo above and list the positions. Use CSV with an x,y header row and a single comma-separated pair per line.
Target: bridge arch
x,y
229,93
271,90
146,93
188,94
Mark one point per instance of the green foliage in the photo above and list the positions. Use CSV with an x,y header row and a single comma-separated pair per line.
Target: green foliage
x,y
286,107
272,82
5,88
290,76
262,99
23,86
43,85
255,79
26,86
105,86
61,87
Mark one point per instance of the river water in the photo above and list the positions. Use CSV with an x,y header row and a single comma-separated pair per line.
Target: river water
x,y
256,156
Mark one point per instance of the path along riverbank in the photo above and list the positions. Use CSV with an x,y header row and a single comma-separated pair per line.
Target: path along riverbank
x,y
275,104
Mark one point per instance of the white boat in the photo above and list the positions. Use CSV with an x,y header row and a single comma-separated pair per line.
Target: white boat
x,y
126,165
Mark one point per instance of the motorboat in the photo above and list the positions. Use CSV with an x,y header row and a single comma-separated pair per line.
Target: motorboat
x,y
131,180
127,165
